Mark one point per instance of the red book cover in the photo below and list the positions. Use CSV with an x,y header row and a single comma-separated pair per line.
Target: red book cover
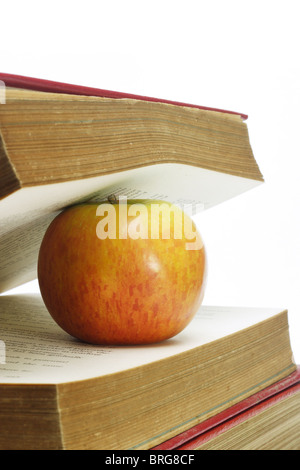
x,y
227,419
29,83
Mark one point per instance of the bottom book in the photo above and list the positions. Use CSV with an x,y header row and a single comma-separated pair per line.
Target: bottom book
x,y
59,393
267,420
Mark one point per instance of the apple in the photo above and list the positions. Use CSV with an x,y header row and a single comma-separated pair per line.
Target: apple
x,y
122,273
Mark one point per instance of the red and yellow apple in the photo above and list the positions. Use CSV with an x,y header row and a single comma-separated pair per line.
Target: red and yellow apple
x,y
114,277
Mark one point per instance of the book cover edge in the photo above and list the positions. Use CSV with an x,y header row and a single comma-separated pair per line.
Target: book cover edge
x,y
50,86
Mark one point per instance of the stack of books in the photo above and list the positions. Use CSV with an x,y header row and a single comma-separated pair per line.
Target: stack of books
x,y
227,381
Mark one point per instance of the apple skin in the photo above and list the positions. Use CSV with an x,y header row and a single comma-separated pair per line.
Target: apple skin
x,y
117,291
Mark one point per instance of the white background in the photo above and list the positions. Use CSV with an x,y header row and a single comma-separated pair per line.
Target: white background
x,y
236,55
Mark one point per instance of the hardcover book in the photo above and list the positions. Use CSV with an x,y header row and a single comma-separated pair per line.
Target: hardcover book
x,y
62,144
59,393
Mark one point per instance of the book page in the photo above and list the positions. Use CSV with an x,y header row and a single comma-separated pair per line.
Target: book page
x,y
34,349
19,248
26,214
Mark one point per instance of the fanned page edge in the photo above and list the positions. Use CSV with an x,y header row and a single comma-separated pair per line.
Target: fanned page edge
x,y
8,172
37,84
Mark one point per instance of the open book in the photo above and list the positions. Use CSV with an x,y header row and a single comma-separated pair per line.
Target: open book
x,y
71,395
62,144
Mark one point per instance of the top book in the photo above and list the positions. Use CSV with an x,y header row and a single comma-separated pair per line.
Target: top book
x,y
53,132
62,144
